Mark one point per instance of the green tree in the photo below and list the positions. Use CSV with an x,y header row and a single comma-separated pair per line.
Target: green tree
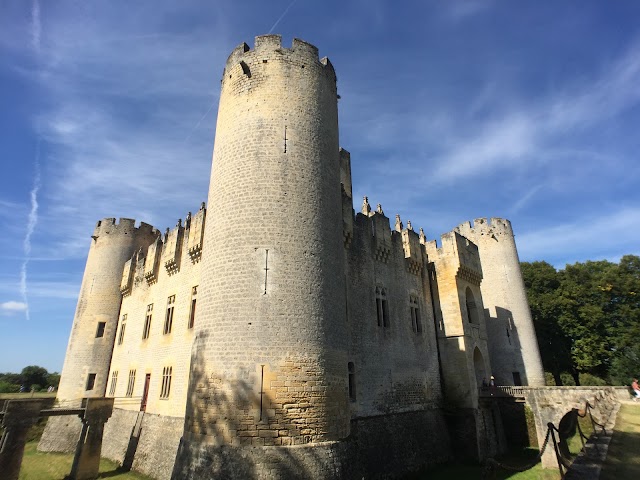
x,y
33,375
542,282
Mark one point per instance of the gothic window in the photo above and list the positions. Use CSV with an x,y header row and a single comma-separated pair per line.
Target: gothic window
x,y
147,322
168,319
414,307
192,310
382,307
123,325
114,382
132,382
352,382
472,310
166,382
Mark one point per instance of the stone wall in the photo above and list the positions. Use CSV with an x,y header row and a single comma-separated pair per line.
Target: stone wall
x,y
395,366
174,276
151,450
379,447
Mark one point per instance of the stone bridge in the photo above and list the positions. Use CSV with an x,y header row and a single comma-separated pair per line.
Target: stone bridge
x,y
552,404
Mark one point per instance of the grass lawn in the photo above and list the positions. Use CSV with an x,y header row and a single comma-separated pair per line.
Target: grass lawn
x,y
623,457
55,466
13,396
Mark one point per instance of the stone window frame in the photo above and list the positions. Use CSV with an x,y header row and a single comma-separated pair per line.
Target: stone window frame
x,y
114,382
102,326
123,325
351,369
132,383
168,319
382,307
192,307
146,331
165,390
91,382
414,307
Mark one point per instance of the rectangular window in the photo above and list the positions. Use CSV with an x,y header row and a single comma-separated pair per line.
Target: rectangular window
x,y
123,325
168,319
382,308
192,310
114,382
132,382
91,381
415,314
147,322
100,330
166,382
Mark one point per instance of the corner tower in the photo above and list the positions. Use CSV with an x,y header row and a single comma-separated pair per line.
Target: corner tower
x,y
269,362
513,347
91,341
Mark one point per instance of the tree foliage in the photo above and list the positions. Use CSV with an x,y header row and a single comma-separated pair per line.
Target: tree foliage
x,y
30,376
587,317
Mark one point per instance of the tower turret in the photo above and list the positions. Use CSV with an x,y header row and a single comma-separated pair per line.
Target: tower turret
x,y
269,364
515,357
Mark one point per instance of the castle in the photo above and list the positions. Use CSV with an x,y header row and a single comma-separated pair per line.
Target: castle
x,y
275,333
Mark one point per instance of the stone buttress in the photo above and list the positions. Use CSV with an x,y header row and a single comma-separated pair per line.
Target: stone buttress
x,y
268,390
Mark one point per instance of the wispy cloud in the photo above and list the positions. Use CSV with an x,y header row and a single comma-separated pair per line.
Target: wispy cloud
x,y
35,26
126,106
32,221
527,135
568,240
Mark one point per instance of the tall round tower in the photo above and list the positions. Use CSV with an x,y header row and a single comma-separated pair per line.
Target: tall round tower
x,y
513,346
88,356
269,363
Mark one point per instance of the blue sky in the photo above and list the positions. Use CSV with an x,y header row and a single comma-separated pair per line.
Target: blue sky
x,y
451,111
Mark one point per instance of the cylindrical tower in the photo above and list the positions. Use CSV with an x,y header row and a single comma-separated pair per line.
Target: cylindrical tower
x,y
269,364
88,356
513,347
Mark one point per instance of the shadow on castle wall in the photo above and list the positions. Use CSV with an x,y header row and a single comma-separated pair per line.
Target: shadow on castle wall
x,y
218,448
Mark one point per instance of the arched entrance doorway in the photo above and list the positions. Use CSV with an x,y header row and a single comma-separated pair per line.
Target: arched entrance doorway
x,y
478,366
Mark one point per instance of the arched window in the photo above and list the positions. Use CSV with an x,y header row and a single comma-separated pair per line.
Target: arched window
x,y
472,310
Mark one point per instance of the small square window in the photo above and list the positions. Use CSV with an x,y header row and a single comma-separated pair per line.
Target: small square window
x,y
100,330
91,381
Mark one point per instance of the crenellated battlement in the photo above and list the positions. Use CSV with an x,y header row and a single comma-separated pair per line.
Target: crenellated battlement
x,y
125,226
268,48
482,226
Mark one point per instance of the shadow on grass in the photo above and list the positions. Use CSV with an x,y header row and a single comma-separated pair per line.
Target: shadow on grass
x,y
514,459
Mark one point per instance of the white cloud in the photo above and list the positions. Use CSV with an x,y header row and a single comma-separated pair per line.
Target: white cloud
x,y
13,307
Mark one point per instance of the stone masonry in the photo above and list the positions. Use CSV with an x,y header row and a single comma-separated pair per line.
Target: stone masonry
x,y
277,334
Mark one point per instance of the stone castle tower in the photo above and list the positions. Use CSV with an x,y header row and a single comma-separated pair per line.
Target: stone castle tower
x,y
271,277
90,347
515,356
325,344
